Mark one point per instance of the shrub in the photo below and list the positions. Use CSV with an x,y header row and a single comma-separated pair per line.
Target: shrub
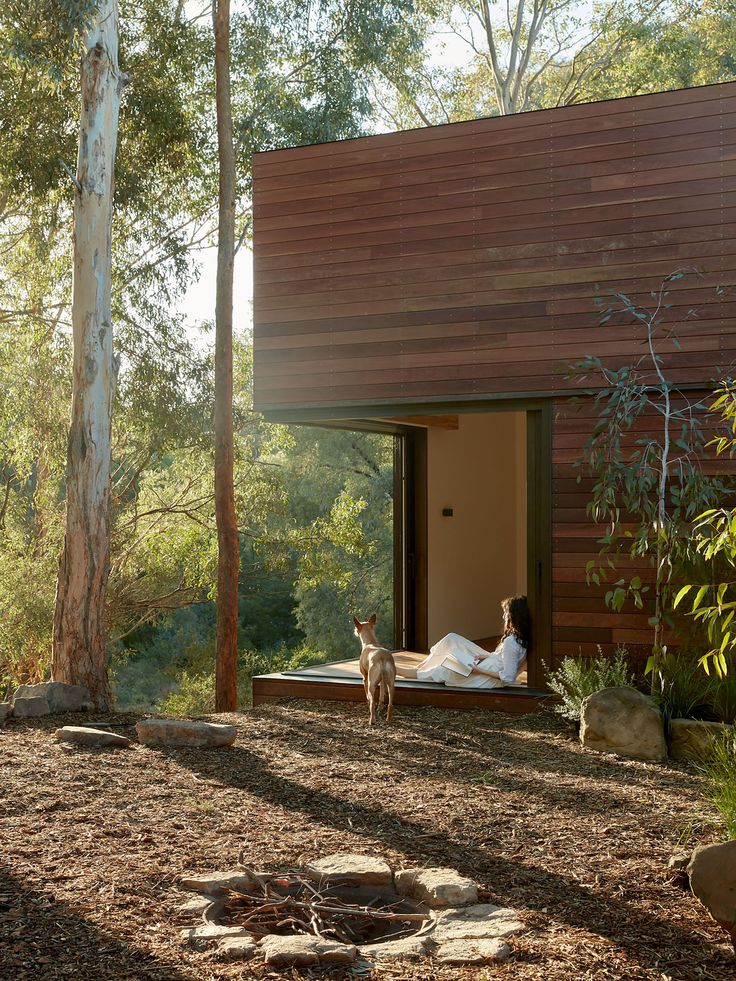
x,y
723,698
685,690
195,695
722,771
576,678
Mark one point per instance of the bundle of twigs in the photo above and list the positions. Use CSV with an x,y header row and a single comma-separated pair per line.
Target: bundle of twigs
x,y
291,904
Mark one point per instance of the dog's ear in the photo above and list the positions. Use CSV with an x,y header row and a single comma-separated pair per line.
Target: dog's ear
x,y
372,619
357,623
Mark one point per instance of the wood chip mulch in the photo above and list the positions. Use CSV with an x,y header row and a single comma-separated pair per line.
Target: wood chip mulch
x,y
93,842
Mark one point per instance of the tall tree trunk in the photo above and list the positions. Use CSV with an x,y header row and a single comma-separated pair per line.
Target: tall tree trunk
x,y
226,689
79,630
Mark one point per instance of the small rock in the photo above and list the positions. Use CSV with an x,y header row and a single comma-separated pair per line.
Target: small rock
x,y
623,721
406,949
712,872
301,950
195,905
30,708
83,736
473,952
481,922
60,696
176,732
214,931
236,948
348,869
691,739
436,887
217,883
6,710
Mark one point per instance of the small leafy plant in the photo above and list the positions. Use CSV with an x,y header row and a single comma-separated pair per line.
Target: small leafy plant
x,y
578,677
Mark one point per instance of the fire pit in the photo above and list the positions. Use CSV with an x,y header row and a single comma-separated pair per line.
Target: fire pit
x,y
344,906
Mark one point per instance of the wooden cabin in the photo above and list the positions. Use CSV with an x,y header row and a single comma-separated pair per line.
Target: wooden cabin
x,y
436,284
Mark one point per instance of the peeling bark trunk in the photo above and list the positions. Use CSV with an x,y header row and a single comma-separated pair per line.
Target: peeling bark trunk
x,y
228,556
79,631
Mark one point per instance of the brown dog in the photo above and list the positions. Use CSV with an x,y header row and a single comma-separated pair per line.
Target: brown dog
x,y
377,667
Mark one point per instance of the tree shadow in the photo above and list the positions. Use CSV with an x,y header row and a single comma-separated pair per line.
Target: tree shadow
x,y
42,937
648,941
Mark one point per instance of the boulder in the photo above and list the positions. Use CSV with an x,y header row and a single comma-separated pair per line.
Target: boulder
x,y
348,869
84,736
691,739
6,710
236,949
217,883
712,872
301,951
436,887
176,732
473,952
405,949
623,721
30,708
60,696
483,921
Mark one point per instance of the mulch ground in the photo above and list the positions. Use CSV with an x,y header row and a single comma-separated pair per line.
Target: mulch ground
x,y
93,842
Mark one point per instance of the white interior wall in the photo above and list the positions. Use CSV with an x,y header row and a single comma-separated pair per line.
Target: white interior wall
x,y
478,556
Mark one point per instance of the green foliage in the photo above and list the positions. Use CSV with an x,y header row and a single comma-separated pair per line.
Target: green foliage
x,y
721,770
685,690
578,677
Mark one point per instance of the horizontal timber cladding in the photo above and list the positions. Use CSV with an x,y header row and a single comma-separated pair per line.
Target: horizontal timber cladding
x,y
465,260
581,621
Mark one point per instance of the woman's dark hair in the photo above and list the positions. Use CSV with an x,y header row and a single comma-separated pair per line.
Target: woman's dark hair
x,y
517,616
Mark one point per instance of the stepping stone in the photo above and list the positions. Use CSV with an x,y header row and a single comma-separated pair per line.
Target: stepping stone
x,y
214,931
195,905
406,949
84,736
301,950
175,732
30,708
436,887
481,922
349,869
236,949
59,696
217,883
473,952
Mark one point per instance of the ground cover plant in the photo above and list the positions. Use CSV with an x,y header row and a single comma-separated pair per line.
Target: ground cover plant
x,y
577,843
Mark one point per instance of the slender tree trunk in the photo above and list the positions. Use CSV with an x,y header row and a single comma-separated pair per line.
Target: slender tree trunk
x,y
226,693
78,630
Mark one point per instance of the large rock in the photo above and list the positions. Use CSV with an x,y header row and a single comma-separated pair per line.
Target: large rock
x,y
691,739
348,869
301,950
623,721
436,888
84,736
712,872
483,921
175,732
60,696
6,710
473,952
30,708
218,883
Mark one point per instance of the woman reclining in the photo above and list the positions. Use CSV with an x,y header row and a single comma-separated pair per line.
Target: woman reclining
x,y
458,662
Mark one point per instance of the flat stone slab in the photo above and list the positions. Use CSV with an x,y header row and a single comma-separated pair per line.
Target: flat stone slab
x,y
691,739
481,922
213,931
83,736
472,952
301,950
216,883
236,949
59,696
437,887
176,732
195,905
30,708
348,869
6,710
406,949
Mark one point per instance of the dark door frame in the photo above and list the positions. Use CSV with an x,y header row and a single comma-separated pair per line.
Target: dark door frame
x,y
410,540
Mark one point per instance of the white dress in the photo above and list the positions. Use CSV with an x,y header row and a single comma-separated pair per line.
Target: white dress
x,y
451,661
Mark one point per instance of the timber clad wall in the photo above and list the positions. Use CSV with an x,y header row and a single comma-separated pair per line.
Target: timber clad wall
x,y
463,260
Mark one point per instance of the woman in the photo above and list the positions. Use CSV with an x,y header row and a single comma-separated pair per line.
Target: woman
x,y
458,662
